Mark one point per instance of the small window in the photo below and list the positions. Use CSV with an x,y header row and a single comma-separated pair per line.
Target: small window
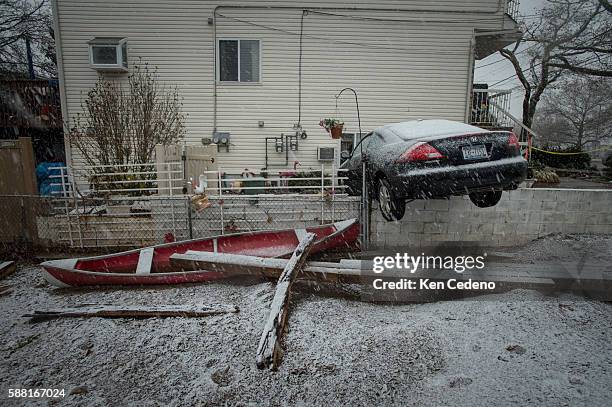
x,y
108,54
347,142
239,60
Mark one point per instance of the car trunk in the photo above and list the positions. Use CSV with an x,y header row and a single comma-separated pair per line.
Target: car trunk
x,y
466,149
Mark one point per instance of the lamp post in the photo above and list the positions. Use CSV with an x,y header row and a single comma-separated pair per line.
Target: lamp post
x,y
364,226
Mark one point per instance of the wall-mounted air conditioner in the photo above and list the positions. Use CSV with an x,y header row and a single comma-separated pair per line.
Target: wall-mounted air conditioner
x,y
108,54
326,153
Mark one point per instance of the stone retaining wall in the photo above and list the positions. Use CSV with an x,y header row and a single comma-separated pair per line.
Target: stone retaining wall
x,y
521,216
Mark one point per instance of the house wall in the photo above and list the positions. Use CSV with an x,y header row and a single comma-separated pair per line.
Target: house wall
x,y
419,67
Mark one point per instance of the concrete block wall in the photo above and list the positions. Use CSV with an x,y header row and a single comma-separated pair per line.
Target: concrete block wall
x,y
521,216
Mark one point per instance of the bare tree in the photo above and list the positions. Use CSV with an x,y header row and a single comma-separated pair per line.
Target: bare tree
x,y
30,20
589,52
570,35
121,125
577,113
606,5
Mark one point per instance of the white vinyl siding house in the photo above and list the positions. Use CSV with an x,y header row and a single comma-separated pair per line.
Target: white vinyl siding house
x,y
242,64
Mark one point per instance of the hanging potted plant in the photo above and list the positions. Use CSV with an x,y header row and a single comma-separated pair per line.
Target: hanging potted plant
x,y
333,127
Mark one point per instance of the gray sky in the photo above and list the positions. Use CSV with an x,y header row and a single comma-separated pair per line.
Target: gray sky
x,y
504,69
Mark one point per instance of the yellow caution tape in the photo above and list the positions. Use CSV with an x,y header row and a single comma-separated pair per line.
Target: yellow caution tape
x,y
558,153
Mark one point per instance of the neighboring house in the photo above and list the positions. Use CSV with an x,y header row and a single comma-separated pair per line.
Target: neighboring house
x,y
256,69
31,108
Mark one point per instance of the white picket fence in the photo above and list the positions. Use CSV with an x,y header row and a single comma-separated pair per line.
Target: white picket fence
x,y
166,179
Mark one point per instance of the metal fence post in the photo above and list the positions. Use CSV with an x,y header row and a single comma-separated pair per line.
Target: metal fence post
x,y
171,198
333,192
364,205
75,199
78,218
322,197
221,201
189,221
67,220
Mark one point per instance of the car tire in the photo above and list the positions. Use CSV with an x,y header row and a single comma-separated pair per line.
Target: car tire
x,y
485,199
392,208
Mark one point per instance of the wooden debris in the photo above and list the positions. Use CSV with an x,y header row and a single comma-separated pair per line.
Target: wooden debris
x,y
5,289
508,275
145,261
130,311
200,202
236,264
572,276
7,268
269,350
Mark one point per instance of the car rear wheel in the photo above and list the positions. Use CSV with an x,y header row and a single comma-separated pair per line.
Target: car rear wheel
x,y
485,199
391,207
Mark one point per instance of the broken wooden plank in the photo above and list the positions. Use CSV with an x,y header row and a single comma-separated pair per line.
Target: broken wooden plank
x,y
349,271
5,289
236,264
7,268
269,350
145,261
345,271
130,311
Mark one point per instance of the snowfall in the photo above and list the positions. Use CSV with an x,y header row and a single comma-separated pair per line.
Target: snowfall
x,y
521,347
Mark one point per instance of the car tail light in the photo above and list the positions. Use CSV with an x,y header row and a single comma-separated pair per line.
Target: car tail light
x,y
513,141
420,152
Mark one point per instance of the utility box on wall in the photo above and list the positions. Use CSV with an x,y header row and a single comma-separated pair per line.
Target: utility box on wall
x,y
199,160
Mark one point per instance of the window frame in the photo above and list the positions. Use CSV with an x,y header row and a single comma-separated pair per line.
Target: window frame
x,y
218,62
118,44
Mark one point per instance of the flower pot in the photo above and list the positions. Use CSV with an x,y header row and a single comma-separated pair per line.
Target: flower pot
x,y
336,131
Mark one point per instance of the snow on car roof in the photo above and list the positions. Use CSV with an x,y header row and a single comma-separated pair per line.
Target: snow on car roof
x,y
416,129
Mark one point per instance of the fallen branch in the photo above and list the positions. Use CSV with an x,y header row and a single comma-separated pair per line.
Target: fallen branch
x,y
135,311
269,351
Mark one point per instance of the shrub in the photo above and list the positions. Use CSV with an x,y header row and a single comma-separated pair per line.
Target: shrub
x,y
545,175
122,122
578,161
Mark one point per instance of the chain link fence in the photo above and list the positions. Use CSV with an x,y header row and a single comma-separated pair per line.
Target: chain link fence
x,y
121,222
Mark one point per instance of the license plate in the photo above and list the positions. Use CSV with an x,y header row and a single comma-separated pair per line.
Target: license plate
x,y
474,152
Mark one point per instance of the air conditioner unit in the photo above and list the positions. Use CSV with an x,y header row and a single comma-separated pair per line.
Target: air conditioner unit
x,y
108,54
326,153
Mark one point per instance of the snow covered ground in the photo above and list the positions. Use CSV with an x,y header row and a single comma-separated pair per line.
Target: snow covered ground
x,y
518,348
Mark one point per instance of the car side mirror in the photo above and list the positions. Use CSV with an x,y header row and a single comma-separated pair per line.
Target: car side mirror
x,y
345,155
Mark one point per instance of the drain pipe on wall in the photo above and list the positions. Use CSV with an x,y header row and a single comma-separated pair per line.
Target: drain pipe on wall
x,y
299,123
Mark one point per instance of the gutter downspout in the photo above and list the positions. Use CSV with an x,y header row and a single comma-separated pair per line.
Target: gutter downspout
x,y
470,78
215,68
61,77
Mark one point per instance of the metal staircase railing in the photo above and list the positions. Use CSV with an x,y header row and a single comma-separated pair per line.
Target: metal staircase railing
x,y
491,110
486,105
512,8
525,134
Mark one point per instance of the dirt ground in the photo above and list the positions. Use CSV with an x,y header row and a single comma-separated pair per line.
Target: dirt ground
x,y
517,348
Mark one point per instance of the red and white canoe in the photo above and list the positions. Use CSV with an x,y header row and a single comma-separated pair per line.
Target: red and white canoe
x,y
152,265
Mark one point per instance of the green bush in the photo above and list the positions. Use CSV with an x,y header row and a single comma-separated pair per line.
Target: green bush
x,y
574,161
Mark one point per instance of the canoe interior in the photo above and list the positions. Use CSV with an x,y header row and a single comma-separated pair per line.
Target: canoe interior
x,y
262,244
